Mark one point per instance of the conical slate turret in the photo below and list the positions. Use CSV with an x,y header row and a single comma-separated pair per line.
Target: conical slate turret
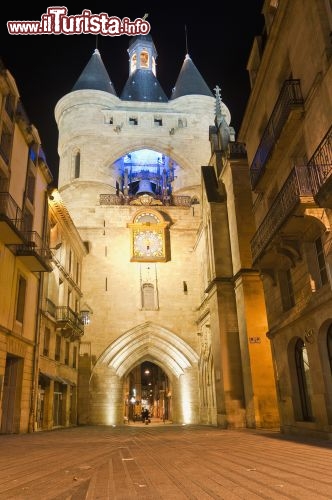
x,y
95,76
190,81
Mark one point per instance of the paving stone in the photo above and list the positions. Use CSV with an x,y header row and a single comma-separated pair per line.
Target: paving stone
x,y
163,462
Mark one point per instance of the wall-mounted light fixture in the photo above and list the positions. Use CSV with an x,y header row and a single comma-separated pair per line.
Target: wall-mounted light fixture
x,y
85,317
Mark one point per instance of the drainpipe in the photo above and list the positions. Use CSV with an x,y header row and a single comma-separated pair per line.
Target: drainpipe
x,y
36,354
35,374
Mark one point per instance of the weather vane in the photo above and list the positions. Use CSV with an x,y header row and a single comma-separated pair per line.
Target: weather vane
x,y
186,35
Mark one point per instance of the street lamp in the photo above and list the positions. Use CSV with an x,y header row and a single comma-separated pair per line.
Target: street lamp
x,y
85,317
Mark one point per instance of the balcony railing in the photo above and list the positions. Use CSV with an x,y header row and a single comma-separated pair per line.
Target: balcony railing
x,y
296,186
172,200
33,252
11,216
320,169
289,98
69,322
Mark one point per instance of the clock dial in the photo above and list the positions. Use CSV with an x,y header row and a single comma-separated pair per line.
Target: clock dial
x,y
148,244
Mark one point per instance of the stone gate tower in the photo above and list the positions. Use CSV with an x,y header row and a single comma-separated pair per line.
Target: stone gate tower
x,y
164,249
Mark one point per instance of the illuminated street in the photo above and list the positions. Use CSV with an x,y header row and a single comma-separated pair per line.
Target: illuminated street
x,y
162,461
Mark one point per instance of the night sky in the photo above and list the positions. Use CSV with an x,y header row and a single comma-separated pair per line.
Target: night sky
x,y
46,67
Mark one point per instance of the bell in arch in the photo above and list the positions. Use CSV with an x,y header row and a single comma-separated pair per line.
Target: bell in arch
x,y
145,187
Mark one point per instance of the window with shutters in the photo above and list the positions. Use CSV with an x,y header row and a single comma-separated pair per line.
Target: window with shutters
x,y
286,289
20,302
321,264
303,379
57,348
46,343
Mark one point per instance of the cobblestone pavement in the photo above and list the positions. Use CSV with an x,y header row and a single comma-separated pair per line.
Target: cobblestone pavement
x,y
168,462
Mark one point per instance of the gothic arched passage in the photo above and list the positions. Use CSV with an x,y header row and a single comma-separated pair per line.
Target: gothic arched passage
x,y
146,343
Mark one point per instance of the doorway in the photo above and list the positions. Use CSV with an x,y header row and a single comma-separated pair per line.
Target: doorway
x,y
12,388
57,405
147,388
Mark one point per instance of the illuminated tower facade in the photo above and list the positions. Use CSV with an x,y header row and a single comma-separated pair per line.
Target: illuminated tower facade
x,y
156,227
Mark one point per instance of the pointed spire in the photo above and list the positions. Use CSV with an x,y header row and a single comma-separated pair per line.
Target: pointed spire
x,y
186,35
190,81
220,116
95,76
226,133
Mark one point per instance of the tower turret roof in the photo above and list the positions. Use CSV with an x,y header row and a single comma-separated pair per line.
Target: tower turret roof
x,y
142,85
190,81
95,76
143,38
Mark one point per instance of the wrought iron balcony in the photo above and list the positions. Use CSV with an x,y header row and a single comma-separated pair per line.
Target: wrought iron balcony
x,y
69,322
295,192
11,220
320,170
172,200
290,98
33,252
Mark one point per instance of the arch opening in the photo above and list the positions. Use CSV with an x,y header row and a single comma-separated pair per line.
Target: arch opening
x,y
117,380
145,171
147,394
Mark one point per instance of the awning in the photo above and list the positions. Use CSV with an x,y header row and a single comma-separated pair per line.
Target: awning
x,y
66,381
56,378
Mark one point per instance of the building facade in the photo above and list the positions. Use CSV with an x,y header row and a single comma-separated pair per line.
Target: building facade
x,y
24,179
288,134
168,274
63,316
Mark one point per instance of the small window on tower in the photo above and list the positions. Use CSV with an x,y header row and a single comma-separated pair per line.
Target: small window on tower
x,y
158,121
133,63
148,297
182,122
133,121
144,59
77,165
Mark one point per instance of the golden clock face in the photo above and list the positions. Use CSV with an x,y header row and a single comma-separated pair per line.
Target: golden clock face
x,y
148,244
